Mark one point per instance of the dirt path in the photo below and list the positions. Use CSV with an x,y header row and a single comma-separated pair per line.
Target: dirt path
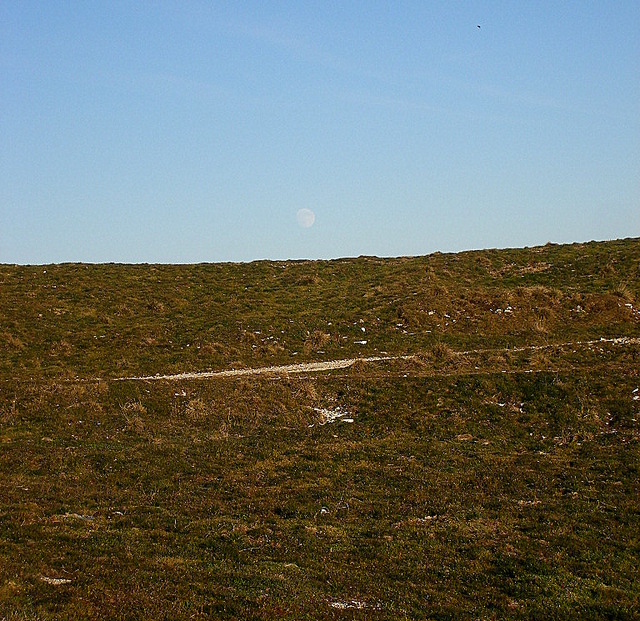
x,y
621,340
302,367
306,367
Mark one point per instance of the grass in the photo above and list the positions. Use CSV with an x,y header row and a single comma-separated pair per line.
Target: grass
x,y
494,474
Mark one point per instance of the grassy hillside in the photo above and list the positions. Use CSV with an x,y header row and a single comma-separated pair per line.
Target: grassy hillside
x,y
493,474
87,320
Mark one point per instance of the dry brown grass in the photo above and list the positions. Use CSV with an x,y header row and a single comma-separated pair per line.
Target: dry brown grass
x,y
540,325
316,341
624,291
134,414
197,410
11,342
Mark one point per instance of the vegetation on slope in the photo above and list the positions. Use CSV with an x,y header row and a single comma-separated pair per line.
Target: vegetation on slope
x,y
495,474
108,320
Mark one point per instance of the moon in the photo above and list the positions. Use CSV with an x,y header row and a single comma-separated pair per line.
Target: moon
x,y
305,218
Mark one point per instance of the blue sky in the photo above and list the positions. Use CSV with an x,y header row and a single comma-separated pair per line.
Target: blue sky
x,y
194,131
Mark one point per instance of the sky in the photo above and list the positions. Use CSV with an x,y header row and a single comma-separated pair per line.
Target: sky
x,y
183,132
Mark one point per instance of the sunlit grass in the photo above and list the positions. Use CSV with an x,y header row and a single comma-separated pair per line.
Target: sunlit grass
x,y
495,474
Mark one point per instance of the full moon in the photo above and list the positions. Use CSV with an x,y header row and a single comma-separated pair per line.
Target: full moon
x,y
305,218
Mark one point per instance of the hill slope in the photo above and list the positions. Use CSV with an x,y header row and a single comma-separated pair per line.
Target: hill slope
x,y
108,320
488,466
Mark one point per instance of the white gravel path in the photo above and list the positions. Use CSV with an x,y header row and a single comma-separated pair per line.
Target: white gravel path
x,y
309,367
303,367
